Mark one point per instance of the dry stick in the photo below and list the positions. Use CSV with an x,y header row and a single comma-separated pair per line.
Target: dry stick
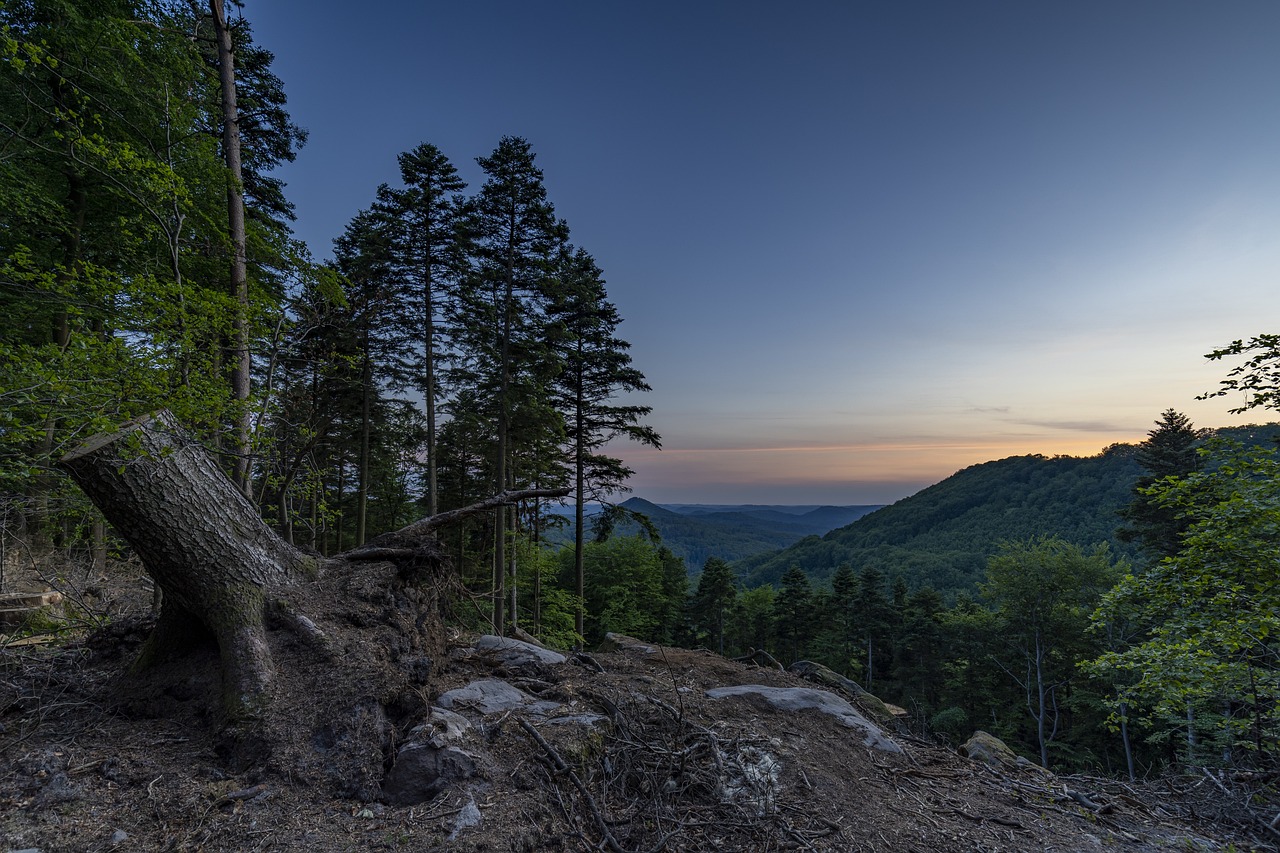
x,y
562,767
422,527
391,546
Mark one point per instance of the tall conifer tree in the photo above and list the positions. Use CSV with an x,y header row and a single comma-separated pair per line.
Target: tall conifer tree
x,y
517,236
428,251
596,369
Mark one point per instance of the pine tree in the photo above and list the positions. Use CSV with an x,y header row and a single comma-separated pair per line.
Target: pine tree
x,y
1169,451
713,600
595,369
500,319
793,612
844,590
428,251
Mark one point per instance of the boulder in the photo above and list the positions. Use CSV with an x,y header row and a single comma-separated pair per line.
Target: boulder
x,y
422,771
491,696
441,729
800,698
867,703
988,749
517,653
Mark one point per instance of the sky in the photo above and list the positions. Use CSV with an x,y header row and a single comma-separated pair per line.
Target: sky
x,y
856,246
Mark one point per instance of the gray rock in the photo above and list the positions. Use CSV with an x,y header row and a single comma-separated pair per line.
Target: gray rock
x,y
800,698
119,837
422,771
442,728
491,696
622,643
467,818
516,652
988,749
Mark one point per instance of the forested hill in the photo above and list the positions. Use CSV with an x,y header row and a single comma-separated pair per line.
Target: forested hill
x,y
942,535
730,533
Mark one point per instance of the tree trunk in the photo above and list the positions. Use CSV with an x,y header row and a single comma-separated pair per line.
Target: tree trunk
x,y
240,361
222,569
201,540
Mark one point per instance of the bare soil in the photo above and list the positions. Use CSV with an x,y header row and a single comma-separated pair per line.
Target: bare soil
x,y
95,759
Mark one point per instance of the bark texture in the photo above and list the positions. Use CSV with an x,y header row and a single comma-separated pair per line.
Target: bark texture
x,y
202,541
316,641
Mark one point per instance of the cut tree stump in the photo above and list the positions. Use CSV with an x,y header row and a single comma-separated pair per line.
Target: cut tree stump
x,y
17,607
224,573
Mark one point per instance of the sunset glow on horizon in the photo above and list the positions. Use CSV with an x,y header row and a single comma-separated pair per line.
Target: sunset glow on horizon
x,y
856,247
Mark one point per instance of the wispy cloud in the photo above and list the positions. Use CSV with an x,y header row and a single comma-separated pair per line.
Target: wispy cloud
x,y
1081,426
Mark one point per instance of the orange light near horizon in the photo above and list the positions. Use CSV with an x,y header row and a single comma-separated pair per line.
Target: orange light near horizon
x,y
884,462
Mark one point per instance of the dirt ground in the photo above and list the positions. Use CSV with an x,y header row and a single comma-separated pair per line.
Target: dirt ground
x,y
635,757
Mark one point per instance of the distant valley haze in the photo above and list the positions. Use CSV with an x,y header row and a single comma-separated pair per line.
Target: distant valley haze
x,y
857,246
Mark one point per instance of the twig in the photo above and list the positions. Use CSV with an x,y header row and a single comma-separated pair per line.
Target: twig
x,y
562,767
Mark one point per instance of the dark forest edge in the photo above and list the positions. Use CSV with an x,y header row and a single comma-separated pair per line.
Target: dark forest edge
x,y
460,346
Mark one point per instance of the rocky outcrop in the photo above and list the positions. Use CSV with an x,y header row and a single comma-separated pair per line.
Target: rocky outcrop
x,y
804,698
867,703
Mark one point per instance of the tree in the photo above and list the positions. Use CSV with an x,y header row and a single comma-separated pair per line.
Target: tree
x,y
595,368
1213,606
793,613
241,363
713,600
872,612
363,257
1257,379
1043,591
499,316
112,188
624,587
428,247
225,573
1169,451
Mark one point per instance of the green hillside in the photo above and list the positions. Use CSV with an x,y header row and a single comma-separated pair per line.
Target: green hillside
x,y
942,535
697,533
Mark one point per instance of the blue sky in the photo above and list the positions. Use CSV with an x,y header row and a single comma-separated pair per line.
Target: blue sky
x,y
857,246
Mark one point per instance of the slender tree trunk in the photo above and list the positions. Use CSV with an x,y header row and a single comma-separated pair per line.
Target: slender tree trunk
x,y
579,514
500,532
239,283
1124,738
1041,700
429,391
98,562
366,414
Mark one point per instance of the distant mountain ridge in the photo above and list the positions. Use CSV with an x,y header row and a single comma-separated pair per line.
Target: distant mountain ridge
x,y
943,535
731,532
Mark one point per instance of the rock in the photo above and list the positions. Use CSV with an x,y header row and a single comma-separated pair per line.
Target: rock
x,y
517,652
525,637
988,749
422,771
622,643
467,818
867,703
442,728
800,698
119,837
491,696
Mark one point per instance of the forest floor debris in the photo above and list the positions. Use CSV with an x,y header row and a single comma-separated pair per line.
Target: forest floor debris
x,y
627,753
